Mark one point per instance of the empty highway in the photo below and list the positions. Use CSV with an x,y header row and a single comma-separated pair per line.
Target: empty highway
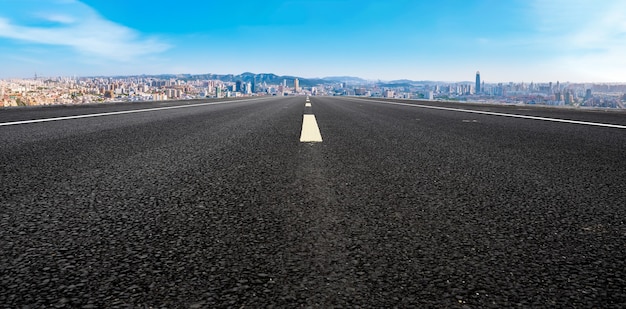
x,y
215,203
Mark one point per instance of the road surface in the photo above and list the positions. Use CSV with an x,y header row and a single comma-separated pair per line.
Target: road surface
x,y
219,204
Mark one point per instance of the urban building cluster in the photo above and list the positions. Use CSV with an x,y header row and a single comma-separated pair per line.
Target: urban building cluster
x,y
555,94
69,90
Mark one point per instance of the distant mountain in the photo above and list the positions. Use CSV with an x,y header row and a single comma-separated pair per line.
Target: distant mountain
x,y
346,79
248,77
273,79
413,82
394,84
402,81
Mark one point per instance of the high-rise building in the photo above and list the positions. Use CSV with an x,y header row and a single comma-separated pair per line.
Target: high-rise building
x,y
296,85
238,87
569,98
478,82
558,96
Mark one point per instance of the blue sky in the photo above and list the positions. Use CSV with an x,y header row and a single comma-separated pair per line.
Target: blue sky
x,y
446,40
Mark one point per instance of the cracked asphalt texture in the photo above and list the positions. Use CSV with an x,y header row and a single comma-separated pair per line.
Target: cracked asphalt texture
x,y
222,206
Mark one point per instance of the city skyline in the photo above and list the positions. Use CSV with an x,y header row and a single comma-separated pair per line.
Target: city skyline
x,y
85,90
540,41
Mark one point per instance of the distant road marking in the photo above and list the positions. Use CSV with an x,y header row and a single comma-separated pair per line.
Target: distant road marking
x,y
307,105
117,113
597,124
310,130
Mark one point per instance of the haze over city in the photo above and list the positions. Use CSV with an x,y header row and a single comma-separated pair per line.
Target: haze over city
x,y
540,41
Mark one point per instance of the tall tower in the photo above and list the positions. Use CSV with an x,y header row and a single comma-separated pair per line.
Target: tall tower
x,y
296,85
478,82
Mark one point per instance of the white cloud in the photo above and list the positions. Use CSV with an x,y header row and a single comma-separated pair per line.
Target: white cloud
x,y
80,27
59,18
588,37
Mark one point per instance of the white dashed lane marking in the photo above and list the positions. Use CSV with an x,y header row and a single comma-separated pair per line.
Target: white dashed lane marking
x,y
310,130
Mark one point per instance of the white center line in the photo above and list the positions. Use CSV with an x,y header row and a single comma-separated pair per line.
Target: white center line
x,y
598,124
310,130
116,113
307,105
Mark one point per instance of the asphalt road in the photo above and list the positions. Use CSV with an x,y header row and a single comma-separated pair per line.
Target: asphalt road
x,y
221,205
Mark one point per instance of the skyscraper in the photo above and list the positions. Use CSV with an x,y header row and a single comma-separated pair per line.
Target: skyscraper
x,y
478,82
296,85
